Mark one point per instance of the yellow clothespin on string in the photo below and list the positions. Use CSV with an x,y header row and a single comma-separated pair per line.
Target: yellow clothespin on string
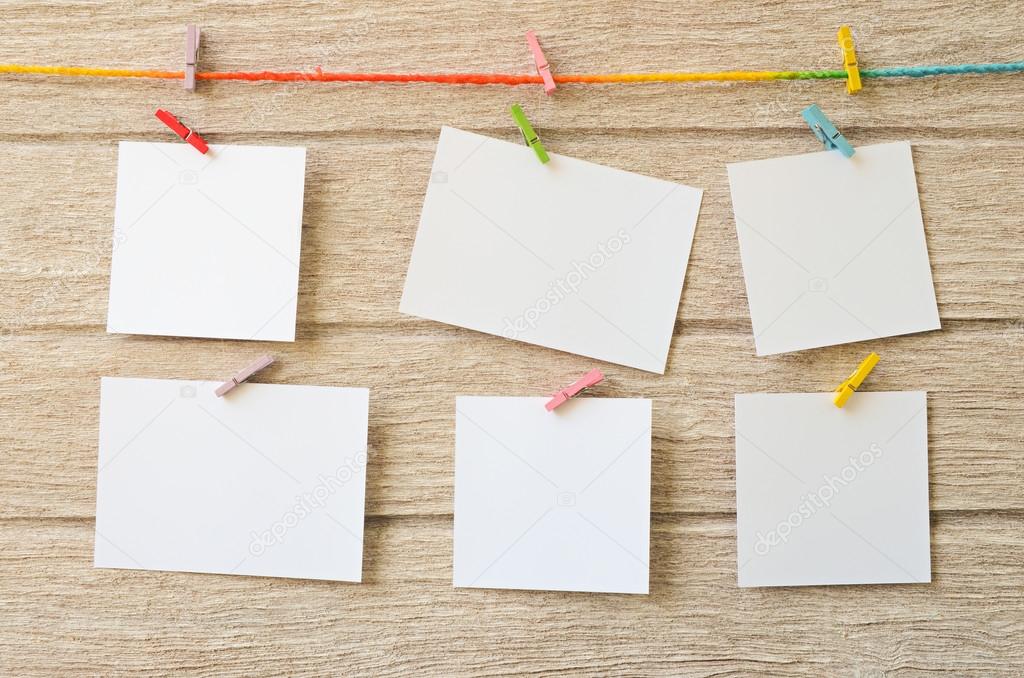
x,y
845,38
848,387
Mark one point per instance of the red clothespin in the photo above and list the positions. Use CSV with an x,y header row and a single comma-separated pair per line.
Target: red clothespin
x,y
185,133
586,381
543,68
243,374
191,56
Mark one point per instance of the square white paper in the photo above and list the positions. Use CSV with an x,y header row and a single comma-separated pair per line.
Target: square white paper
x,y
569,255
832,496
268,480
556,501
207,245
833,248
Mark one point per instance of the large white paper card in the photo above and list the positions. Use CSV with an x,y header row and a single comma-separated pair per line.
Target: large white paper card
x,y
569,255
556,501
832,496
833,248
207,245
268,480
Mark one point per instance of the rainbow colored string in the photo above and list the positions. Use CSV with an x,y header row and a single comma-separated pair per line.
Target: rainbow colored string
x,y
513,79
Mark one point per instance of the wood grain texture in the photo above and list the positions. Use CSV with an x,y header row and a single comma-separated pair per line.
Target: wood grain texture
x,y
369,153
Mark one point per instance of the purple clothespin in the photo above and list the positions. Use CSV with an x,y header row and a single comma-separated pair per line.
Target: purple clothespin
x,y
191,56
243,374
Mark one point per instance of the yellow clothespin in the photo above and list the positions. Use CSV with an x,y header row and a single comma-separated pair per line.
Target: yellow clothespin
x,y
845,38
848,387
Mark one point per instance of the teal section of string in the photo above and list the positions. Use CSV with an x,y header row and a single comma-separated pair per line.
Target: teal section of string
x,y
905,71
956,69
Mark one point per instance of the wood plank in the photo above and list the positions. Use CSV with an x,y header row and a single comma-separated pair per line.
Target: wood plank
x,y
406,617
605,37
362,207
973,420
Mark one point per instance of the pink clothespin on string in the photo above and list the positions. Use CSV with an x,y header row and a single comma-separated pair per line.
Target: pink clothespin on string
x,y
543,67
583,383
243,374
191,56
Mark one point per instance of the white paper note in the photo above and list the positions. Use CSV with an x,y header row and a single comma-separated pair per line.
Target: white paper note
x,y
207,245
556,501
569,255
833,248
268,480
832,496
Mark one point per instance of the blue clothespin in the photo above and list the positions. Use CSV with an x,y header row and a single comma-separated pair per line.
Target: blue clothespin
x,y
826,131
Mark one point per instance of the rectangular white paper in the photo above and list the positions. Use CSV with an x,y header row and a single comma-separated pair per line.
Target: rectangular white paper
x,y
832,496
268,480
569,255
833,248
207,245
556,501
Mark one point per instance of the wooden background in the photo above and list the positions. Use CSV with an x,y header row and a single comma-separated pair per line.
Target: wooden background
x,y
369,153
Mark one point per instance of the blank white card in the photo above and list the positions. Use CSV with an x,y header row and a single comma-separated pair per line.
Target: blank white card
x,y
557,501
207,245
828,495
569,255
833,248
268,480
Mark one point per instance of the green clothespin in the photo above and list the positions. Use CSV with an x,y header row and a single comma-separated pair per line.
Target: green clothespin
x,y
531,138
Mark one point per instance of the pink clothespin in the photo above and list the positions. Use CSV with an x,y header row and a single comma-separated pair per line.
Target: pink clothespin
x,y
543,68
191,56
586,381
243,374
